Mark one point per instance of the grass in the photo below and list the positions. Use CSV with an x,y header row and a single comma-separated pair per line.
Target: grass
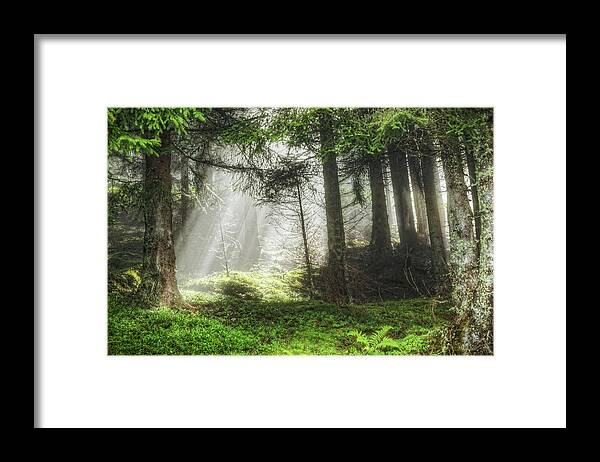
x,y
250,314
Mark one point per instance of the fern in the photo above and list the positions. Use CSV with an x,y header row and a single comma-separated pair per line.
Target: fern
x,y
376,343
378,336
360,337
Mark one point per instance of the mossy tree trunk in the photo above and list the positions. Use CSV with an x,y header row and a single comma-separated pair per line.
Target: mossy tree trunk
x,y
443,212
463,262
158,285
477,328
472,168
380,232
336,241
402,196
460,217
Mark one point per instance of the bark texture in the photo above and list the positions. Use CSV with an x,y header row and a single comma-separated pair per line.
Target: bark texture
x,y
185,191
477,328
465,331
460,217
158,285
336,241
181,229
472,168
442,210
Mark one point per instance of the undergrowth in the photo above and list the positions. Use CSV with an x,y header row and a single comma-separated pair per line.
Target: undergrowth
x,y
257,314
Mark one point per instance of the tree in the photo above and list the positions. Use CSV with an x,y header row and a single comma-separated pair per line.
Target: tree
x,y
380,236
472,168
148,132
460,218
362,154
390,204
416,177
402,196
393,132
319,132
184,205
462,257
478,335
159,285
336,241
473,327
428,163
442,210
283,189
471,278
305,240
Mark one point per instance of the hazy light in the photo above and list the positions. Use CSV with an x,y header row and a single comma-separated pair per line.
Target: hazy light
x,y
233,231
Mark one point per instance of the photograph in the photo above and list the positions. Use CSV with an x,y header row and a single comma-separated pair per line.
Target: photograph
x,y
261,231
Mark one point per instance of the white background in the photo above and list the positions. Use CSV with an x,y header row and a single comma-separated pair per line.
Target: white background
x,y
523,384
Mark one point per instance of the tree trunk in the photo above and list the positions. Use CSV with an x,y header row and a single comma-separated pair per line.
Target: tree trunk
x,y
416,177
336,245
438,252
477,327
181,226
442,209
390,208
471,166
402,197
460,217
305,243
185,193
380,232
158,286
223,246
462,259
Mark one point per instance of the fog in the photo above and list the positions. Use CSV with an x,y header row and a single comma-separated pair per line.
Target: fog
x,y
231,231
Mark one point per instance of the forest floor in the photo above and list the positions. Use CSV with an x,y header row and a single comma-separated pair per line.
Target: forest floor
x,y
255,314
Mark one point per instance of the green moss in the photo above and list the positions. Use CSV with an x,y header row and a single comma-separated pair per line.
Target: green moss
x,y
250,285
133,330
251,313
126,281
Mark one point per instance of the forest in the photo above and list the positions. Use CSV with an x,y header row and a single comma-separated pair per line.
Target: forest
x,y
311,231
